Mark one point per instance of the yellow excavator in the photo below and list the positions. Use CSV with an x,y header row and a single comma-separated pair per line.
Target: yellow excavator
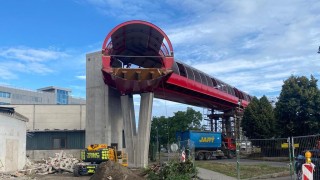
x,y
95,154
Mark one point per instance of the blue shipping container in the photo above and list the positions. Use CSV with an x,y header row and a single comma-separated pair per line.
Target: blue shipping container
x,y
202,139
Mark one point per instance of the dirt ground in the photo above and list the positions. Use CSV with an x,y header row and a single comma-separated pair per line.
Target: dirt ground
x,y
68,176
61,176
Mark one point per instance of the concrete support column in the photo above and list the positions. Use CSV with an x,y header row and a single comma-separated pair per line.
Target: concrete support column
x,y
144,128
108,113
129,127
115,117
137,143
104,121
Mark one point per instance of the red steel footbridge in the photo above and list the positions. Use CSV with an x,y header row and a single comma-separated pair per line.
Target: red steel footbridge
x,y
138,57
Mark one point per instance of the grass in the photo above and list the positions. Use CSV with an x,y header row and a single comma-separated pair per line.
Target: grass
x,y
246,171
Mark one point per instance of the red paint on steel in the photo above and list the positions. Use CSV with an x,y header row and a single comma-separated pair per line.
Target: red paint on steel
x,y
170,86
200,88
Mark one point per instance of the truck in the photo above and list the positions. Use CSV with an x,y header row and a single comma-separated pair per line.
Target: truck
x,y
208,144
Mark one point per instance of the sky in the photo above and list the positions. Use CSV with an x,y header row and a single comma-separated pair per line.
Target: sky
x,y
252,45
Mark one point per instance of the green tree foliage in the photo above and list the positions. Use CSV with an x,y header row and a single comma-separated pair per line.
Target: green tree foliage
x,y
298,108
181,121
258,119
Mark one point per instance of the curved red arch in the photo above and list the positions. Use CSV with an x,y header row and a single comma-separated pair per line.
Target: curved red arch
x,y
137,22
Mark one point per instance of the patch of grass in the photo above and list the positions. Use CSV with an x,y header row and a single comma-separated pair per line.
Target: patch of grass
x,y
246,171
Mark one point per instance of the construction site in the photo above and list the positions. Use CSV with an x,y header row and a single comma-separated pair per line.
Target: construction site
x,y
137,58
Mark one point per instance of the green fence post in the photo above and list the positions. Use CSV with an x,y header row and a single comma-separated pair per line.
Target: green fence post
x,y
290,155
238,158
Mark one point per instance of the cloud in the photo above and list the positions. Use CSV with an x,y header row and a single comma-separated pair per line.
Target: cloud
x,y
82,77
30,54
253,45
18,60
6,73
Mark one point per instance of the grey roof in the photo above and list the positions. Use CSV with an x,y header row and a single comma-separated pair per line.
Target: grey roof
x,y
9,111
53,87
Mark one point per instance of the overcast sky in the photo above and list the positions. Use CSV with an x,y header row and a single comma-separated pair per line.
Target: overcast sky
x,y
252,45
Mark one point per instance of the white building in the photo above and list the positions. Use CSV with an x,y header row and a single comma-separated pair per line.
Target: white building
x,y
12,140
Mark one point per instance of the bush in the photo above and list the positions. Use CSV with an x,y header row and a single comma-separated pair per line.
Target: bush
x,y
174,170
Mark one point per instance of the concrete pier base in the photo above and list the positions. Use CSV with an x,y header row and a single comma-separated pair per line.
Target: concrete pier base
x,y
137,143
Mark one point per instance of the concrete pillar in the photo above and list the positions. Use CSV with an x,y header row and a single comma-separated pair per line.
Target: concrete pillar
x,y
144,127
103,110
115,117
129,128
108,113
137,143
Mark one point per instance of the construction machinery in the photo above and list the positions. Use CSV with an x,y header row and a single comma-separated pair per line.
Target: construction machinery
x,y
95,154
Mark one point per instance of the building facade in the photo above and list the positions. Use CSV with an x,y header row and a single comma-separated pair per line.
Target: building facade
x,y
56,123
46,95
12,140
52,128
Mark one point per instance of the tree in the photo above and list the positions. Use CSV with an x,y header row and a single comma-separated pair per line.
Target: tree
x,y
258,119
298,108
181,121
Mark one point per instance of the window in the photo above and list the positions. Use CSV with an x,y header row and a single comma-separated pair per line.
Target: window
x,y
197,76
190,73
4,103
182,70
59,143
62,97
204,79
5,94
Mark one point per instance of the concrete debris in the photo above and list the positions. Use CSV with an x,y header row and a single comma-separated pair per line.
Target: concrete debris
x,y
110,170
58,164
10,175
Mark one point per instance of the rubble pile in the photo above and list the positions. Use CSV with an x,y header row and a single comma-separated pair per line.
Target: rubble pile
x,y
60,163
10,175
110,170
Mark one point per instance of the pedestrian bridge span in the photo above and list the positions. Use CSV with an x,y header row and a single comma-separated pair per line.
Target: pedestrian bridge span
x,y
138,57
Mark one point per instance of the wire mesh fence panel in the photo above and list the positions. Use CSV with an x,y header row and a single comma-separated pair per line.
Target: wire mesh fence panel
x,y
265,149
303,143
179,151
300,146
259,157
